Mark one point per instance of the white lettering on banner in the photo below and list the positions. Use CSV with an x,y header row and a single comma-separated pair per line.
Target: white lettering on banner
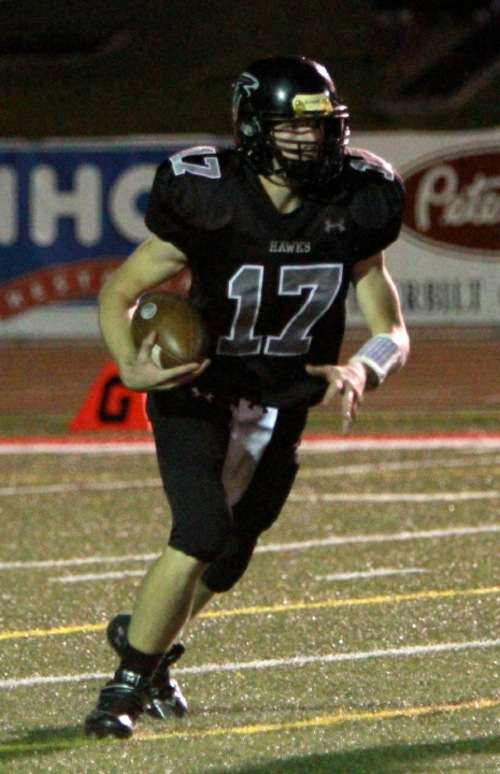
x,y
8,211
83,203
443,177
126,217
442,298
476,204
49,204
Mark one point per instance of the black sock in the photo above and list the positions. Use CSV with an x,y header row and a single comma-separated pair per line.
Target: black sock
x,y
141,663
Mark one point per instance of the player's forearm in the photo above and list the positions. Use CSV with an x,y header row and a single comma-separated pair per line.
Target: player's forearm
x,y
387,349
114,321
151,263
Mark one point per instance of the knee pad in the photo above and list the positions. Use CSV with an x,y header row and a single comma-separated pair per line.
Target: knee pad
x,y
203,538
228,568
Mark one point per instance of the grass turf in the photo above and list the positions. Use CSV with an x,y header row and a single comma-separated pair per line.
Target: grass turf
x,y
394,602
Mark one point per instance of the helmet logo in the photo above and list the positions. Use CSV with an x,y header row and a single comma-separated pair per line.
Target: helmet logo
x,y
245,85
312,103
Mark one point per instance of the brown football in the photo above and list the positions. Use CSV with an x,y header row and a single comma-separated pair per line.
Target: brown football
x,y
182,332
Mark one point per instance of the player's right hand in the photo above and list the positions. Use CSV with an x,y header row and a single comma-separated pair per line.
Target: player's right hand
x,y
142,374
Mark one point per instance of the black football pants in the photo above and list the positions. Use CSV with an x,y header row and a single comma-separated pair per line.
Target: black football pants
x,y
192,434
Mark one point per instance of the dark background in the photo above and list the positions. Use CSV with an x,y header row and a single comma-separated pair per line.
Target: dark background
x,y
118,67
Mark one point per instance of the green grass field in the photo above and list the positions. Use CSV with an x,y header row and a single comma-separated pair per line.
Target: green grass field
x,y
364,638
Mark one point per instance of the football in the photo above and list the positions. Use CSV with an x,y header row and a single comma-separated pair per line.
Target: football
x,y
182,335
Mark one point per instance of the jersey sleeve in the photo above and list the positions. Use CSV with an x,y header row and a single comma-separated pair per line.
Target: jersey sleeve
x,y
185,201
377,204
164,216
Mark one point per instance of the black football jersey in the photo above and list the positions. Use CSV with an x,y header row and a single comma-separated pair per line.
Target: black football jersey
x,y
272,287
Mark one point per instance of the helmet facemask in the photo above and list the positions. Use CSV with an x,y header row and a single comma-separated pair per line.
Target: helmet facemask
x,y
308,162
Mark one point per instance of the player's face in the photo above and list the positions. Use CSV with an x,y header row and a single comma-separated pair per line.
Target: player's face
x,y
299,140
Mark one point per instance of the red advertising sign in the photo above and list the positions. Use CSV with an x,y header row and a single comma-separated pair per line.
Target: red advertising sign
x,y
454,202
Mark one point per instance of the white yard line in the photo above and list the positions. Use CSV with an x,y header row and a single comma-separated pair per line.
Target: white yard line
x,y
430,534
390,467
304,473
382,572
298,661
315,444
270,547
295,496
55,446
104,486
319,445
392,497
90,577
76,562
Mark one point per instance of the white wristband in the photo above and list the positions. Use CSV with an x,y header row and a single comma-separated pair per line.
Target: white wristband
x,y
382,354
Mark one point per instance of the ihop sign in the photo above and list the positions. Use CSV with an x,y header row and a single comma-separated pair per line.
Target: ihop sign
x,y
70,213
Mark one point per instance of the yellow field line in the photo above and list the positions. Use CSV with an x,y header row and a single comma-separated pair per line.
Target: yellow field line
x,y
333,603
328,720
264,728
388,599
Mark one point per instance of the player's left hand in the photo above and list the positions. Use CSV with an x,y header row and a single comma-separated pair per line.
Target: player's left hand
x,y
348,381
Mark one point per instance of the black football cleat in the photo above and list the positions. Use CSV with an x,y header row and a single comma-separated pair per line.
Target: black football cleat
x,y
121,702
165,696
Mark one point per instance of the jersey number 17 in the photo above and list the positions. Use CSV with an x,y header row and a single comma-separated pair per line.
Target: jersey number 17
x,y
318,284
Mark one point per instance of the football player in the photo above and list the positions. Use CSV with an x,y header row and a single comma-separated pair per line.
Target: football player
x,y
274,231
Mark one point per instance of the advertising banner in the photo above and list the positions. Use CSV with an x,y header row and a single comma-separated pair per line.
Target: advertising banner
x,y
72,211
447,261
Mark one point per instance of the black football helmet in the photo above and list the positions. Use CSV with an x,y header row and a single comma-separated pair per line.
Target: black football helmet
x,y
290,89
